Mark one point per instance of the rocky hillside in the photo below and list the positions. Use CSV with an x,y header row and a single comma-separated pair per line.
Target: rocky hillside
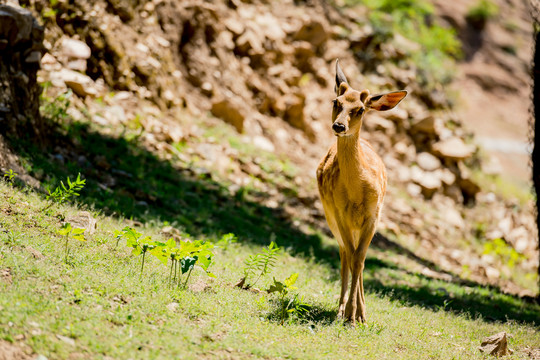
x,y
172,71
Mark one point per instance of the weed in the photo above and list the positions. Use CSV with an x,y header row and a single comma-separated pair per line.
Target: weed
x,y
67,230
479,14
9,176
503,251
183,258
293,306
62,193
259,265
55,110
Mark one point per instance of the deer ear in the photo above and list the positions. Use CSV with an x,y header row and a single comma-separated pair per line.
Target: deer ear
x,y
340,79
382,102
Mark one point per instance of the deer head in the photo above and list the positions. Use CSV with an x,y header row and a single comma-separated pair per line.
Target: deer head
x,y
350,105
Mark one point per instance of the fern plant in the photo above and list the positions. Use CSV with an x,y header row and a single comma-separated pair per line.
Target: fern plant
x,y
259,265
63,193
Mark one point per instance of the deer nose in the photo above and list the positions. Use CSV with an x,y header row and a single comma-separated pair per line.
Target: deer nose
x,y
338,127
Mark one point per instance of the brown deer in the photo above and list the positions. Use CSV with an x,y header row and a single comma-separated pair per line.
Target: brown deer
x,y
352,184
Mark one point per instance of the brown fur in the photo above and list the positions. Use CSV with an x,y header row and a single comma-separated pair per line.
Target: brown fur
x,y
352,185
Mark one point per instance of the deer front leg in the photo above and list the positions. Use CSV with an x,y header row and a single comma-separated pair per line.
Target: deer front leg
x,y
344,281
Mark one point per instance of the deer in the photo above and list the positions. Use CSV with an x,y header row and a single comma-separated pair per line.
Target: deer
x,y
352,184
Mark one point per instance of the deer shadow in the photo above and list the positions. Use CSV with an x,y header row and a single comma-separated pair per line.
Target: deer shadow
x,y
126,180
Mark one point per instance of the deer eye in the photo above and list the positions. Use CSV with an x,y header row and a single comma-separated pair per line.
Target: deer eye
x,y
359,111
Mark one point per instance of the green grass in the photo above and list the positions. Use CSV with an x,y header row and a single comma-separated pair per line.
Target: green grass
x,y
98,301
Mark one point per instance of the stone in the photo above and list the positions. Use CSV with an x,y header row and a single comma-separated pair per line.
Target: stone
x,y
397,114
469,189
75,49
447,176
16,24
496,345
413,190
228,110
313,32
294,110
427,162
83,220
429,182
453,217
453,148
77,65
81,84
263,143
429,125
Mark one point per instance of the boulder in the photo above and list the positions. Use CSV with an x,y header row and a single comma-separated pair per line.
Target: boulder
x,y
427,162
81,84
75,49
453,148
314,32
429,182
428,125
21,46
229,110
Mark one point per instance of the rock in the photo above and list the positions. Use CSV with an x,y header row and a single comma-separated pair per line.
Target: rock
x,y
455,193
21,45
83,220
453,148
313,32
75,49
453,217
447,176
16,24
429,125
172,307
77,65
381,124
229,111
429,182
427,162
469,189
66,339
294,110
397,114
414,190
81,84
496,345
263,143
35,253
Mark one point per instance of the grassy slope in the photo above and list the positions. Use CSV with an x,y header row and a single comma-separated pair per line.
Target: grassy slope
x,y
98,300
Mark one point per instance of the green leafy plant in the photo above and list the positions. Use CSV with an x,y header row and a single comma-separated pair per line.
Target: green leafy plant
x,y
186,256
480,13
259,265
9,176
227,240
288,306
506,253
183,257
68,231
135,240
63,193
55,109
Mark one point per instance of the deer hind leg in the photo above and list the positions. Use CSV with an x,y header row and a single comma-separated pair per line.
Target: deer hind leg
x,y
345,263
359,261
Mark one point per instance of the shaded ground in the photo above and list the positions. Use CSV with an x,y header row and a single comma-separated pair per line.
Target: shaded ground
x,y
134,184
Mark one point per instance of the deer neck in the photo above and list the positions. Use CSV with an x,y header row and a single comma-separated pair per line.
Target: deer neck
x,y
350,156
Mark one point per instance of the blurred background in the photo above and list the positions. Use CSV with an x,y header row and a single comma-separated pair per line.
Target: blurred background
x,y
215,114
